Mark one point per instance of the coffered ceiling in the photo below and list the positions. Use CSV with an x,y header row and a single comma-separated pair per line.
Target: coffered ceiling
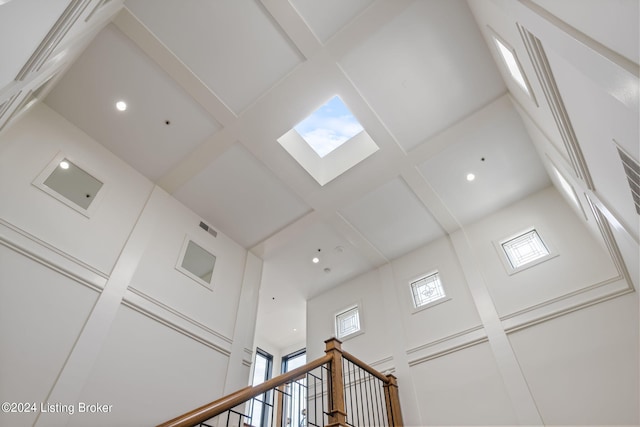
x,y
212,85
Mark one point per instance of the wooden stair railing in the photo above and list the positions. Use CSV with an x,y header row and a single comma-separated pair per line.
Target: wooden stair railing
x,y
347,378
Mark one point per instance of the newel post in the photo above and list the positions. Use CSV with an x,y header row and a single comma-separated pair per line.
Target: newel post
x,y
392,399
337,413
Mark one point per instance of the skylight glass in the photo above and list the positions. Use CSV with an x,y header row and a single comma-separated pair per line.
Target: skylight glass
x,y
329,127
512,64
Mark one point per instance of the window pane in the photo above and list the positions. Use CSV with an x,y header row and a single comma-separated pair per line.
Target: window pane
x,y
293,361
259,407
426,290
524,249
198,261
73,183
347,322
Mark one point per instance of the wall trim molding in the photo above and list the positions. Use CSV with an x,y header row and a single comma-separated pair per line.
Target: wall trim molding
x,y
53,38
247,359
569,298
447,345
550,310
543,71
450,350
173,319
385,365
47,255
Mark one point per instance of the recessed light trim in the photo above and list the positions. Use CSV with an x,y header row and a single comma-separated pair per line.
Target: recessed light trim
x,y
470,177
64,164
315,260
121,106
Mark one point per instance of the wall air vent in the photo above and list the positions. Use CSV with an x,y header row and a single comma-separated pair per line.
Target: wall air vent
x,y
208,229
632,170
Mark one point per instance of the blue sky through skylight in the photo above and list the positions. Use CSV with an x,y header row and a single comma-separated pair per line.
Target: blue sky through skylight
x,y
329,127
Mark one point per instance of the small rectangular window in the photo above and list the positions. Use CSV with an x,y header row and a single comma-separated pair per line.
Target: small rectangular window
x,y
294,360
524,249
196,262
347,322
427,290
71,185
260,408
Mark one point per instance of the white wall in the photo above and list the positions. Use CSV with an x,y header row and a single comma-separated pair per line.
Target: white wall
x,y
93,308
580,261
550,330
583,368
42,311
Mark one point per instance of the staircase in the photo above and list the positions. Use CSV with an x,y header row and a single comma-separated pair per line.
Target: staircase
x,y
337,390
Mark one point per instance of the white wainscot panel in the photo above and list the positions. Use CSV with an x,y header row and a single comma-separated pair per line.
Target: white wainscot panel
x,y
462,388
150,373
582,368
42,311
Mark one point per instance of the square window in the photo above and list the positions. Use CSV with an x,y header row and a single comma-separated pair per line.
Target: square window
x,y
347,322
71,185
196,263
427,290
524,249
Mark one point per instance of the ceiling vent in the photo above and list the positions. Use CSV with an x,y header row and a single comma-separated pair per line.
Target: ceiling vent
x,y
208,229
632,170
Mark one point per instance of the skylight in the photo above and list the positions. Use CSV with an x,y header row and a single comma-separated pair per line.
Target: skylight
x,y
509,57
329,127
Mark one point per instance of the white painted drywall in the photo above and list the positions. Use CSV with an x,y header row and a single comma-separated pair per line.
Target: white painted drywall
x,y
95,308
449,369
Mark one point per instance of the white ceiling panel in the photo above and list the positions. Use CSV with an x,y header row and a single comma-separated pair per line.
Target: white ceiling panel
x,y
293,263
326,17
241,197
393,219
511,168
426,69
234,47
113,68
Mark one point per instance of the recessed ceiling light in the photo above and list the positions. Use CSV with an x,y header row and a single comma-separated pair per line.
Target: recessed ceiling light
x,y
121,105
64,164
470,177
315,260
295,330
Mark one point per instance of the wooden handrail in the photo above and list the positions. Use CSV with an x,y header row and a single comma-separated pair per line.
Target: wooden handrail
x,y
366,367
336,411
225,403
